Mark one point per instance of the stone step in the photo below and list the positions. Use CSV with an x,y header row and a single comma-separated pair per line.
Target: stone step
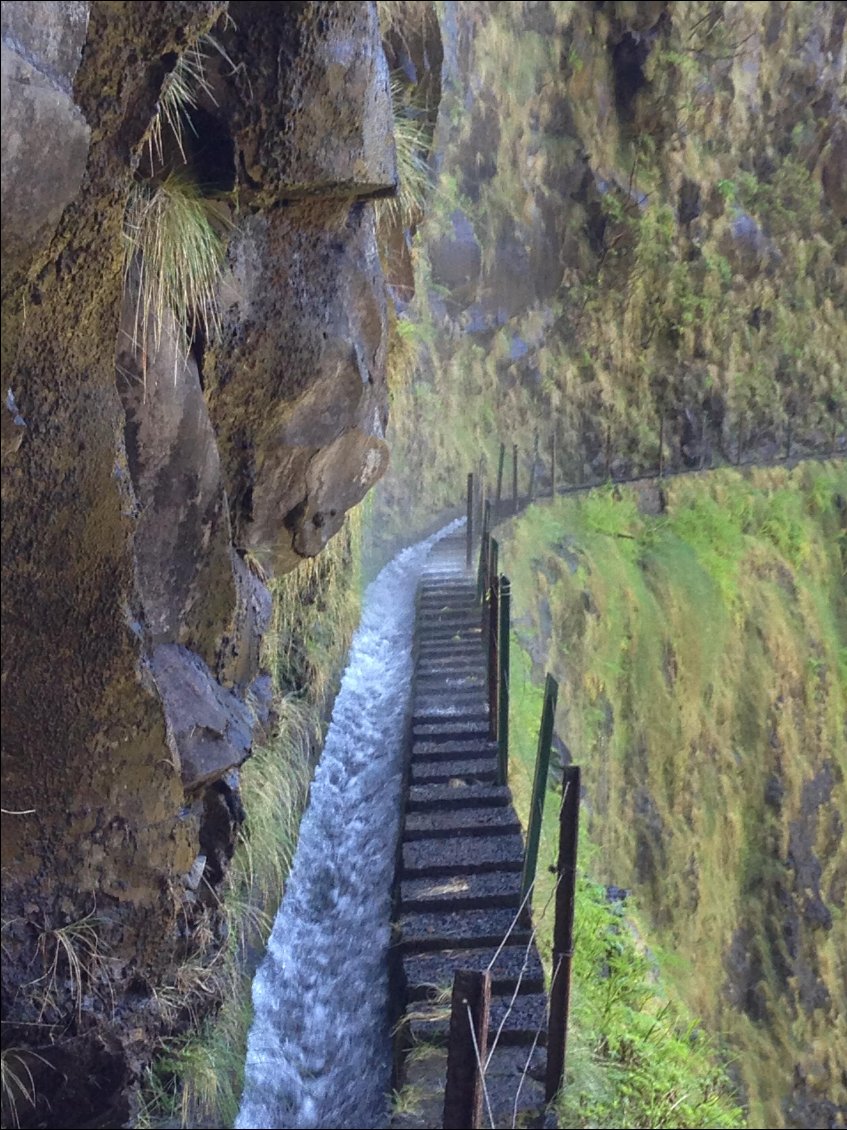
x,y
445,580
482,754
451,681
460,709
430,639
480,715
453,650
455,750
513,1022
472,772
430,974
460,821
456,701
422,931
430,656
454,613
462,892
512,1072
445,797
462,854
440,604
445,731
473,665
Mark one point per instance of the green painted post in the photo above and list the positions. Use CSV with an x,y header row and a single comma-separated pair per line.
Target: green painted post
x,y
539,784
500,464
503,696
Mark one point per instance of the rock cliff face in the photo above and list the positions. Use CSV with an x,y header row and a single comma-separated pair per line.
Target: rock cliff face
x,y
149,489
637,229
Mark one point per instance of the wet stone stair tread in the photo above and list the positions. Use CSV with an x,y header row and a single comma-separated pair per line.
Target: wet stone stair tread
x,y
459,879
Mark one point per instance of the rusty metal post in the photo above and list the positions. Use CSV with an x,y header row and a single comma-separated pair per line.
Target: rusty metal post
x,y
467,1050
608,452
560,989
539,784
503,630
514,478
553,465
469,526
499,496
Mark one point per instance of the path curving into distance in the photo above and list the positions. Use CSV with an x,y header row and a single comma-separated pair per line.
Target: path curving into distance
x,y
319,1053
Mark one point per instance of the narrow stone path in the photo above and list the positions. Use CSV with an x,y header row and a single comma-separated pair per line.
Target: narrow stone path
x,y
462,855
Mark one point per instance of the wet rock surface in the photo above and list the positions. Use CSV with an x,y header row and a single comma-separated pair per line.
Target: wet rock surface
x,y
150,493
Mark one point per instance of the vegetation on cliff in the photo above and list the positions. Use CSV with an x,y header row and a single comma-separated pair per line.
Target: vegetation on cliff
x,y
700,641
635,240
636,1056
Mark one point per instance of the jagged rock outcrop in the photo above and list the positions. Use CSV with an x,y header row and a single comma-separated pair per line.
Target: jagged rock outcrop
x,y
141,479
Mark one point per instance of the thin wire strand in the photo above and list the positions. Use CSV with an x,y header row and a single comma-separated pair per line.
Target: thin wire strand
x,y
479,1066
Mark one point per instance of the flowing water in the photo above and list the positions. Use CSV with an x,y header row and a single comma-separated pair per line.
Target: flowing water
x,y
319,1050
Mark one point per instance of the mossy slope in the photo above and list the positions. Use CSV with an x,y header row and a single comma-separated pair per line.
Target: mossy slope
x,y
702,655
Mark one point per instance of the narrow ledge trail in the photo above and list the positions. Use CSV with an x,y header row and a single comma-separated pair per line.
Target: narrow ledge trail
x,y
460,904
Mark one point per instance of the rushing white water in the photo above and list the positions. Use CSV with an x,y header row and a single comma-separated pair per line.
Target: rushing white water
x,y
319,1051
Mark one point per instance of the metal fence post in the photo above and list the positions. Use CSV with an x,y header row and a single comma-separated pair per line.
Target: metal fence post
x,y
494,644
553,465
557,1028
469,526
482,572
505,594
500,464
539,784
514,478
467,1050
661,445
532,469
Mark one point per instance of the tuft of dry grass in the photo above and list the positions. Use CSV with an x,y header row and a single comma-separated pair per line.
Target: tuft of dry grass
x,y
174,255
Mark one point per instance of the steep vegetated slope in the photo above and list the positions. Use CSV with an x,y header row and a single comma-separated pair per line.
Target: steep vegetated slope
x,y
636,227
700,640
636,1055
